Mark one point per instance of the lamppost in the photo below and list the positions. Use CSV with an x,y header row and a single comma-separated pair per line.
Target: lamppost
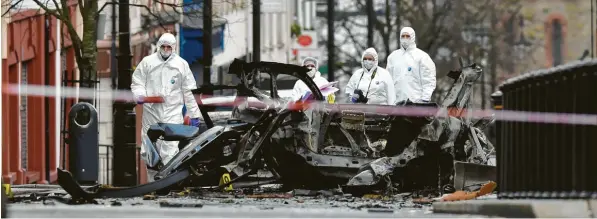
x,y
522,46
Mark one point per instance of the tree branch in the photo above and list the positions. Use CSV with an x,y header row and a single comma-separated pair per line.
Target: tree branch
x,y
13,6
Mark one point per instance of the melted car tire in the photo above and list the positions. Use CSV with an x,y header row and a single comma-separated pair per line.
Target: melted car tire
x,y
70,185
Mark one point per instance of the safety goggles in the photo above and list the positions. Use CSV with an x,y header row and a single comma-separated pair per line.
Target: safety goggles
x,y
368,59
310,65
405,36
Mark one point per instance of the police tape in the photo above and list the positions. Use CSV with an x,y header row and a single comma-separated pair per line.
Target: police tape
x,y
213,100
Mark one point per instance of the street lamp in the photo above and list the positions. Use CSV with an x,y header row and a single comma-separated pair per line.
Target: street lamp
x,y
522,46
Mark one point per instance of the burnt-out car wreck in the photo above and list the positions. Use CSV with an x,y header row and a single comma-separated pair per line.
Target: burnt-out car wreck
x,y
315,145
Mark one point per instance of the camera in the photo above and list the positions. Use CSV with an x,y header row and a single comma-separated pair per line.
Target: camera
x,y
362,98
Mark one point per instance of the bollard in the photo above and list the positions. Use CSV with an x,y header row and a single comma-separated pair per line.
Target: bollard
x,y
496,102
83,147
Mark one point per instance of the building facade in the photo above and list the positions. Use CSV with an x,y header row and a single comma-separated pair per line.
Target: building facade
x,y
561,31
34,52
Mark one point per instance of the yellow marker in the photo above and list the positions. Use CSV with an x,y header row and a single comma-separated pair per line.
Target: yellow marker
x,y
372,196
331,98
7,190
226,179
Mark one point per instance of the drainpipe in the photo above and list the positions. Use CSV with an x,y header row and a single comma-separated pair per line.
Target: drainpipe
x,y
46,99
57,87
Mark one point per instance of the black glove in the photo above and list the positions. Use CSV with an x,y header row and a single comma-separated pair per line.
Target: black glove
x,y
362,98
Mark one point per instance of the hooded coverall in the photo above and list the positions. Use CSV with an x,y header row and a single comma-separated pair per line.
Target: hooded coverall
x,y
378,88
300,88
412,70
171,79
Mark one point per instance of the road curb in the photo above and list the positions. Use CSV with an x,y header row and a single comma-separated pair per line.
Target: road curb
x,y
520,208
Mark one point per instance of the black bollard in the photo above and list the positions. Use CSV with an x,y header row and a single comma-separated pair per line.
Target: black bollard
x,y
83,146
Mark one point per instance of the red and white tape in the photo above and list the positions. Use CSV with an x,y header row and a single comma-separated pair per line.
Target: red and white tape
x,y
127,96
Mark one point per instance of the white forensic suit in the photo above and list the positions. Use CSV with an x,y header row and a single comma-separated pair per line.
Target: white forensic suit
x,y
412,70
166,75
300,88
375,82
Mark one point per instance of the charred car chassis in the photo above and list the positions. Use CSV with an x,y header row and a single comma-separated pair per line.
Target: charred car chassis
x,y
314,145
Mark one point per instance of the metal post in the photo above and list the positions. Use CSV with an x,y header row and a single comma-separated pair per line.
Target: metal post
x,y
493,53
483,91
256,56
592,32
370,22
46,99
113,70
331,49
207,50
398,22
125,152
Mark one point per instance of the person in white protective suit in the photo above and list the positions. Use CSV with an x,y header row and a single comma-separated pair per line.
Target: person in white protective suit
x,y
300,88
412,70
371,84
166,75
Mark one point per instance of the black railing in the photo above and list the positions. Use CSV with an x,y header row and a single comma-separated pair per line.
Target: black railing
x,y
105,168
549,160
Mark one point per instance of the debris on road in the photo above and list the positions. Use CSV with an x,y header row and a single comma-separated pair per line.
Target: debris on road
x,y
149,197
180,205
462,195
284,195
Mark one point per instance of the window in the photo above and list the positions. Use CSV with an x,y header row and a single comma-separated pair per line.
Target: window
x,y
273,30
556,42
281,29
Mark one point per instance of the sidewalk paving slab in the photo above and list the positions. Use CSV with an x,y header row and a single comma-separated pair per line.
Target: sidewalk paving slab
x,y
527,208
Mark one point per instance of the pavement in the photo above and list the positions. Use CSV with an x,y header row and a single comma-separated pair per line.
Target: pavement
x,y
526,208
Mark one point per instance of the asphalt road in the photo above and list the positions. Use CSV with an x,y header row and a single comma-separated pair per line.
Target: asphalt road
x,y
266,201
230,207
222,211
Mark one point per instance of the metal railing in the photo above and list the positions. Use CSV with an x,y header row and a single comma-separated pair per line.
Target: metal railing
x,y
105,162
549,160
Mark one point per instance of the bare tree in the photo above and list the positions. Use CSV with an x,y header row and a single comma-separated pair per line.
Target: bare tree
x,y
446,30
85,46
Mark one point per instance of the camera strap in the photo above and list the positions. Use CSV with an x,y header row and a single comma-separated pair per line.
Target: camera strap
x,y
368,87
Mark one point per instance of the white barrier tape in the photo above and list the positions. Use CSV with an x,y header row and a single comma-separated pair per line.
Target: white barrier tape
x,y
504,115
68,92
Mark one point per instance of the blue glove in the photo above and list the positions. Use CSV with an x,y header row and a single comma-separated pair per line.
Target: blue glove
x,y
140,99
184,110
304,97
354,98
195,122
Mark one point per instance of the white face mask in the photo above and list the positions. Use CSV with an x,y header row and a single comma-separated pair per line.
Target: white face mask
x,y
312,72
405,43
368,64
165,55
